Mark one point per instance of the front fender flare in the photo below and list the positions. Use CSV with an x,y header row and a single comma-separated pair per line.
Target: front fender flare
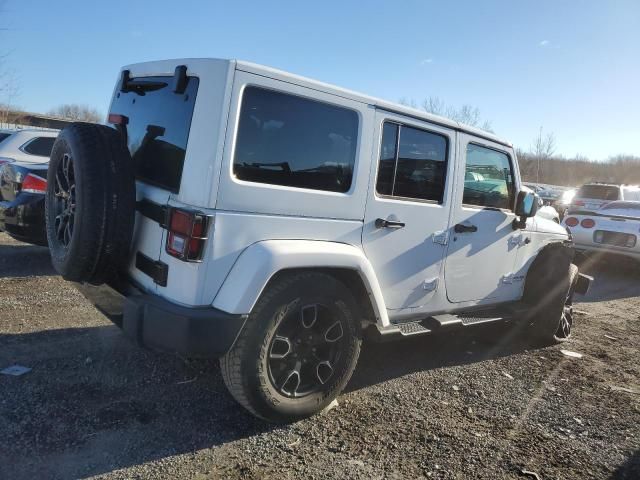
x,y
259,262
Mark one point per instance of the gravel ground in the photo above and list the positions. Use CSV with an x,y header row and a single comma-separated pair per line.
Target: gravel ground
x,y
486,405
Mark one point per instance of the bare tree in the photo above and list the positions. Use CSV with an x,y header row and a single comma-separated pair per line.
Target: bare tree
x,y
543,148
9,89
467,114
77,112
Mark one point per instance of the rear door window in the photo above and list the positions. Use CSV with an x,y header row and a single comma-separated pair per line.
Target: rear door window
x,y
293,141
158,124
3,136
599,192
40,146
413,163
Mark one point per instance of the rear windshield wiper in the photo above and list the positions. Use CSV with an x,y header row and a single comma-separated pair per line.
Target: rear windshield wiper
x,y
140,86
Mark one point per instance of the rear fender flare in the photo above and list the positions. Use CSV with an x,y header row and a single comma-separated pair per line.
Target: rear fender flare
x,y
259,262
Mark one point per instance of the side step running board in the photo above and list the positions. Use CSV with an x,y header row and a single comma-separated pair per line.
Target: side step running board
x,y
437,323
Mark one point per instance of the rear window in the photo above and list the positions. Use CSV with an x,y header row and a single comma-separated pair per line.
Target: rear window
x,y
158,127
40,146
599,192
294,141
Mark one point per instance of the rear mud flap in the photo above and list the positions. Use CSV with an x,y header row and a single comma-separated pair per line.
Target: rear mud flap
x,y
583,284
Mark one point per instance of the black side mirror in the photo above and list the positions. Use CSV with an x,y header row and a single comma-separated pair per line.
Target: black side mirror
x,y
527,205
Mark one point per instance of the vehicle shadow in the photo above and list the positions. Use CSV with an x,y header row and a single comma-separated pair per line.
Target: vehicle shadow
x,y
629,470
95,403
615,277
24,260
384,361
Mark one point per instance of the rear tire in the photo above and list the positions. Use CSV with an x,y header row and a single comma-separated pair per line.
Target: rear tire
x,y
307,322
90,203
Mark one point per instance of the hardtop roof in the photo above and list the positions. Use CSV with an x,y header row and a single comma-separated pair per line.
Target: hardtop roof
x,y
359,97
146,68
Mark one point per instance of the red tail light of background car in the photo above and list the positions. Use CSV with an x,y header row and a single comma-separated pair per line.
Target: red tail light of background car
x,y
34,184
588,223
571,222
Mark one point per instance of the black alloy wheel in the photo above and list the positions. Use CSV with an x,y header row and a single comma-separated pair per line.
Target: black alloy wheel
x,y
306,346
566,321
65,204
297,349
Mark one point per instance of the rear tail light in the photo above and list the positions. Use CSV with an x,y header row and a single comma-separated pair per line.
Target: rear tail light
x,y
34,184
578,203
571,222
118,119
187,234
588,223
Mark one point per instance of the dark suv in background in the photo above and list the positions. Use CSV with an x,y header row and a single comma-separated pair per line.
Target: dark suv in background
x,y
24,161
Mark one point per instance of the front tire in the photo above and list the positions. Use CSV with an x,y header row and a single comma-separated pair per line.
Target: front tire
x,y
549,293
298,349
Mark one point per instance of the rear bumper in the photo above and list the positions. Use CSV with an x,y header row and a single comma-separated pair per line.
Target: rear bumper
x,y
23,218
154,322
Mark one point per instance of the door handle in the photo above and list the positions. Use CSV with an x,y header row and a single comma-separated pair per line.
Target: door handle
x,y
382,223
462,228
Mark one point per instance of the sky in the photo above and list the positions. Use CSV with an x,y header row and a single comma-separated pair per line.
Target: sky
x,y
570,67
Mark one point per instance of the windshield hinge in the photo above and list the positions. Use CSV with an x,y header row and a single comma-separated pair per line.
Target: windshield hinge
x,y
180,79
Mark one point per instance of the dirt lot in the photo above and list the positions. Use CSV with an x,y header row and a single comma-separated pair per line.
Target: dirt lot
x,y
95,405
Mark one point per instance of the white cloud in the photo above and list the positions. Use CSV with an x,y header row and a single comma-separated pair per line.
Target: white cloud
x,y
544,43
426,61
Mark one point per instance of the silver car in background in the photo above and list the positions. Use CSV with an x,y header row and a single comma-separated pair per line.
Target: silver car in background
x,y
614,228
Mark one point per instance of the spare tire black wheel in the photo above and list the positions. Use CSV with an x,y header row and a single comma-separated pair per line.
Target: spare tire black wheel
x,y
90,203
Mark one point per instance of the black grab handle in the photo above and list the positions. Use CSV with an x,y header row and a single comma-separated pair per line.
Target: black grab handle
x,y
382,223
462,228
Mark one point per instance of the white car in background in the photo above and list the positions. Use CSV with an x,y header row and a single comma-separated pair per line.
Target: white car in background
x,y
26,146
592,196
614,228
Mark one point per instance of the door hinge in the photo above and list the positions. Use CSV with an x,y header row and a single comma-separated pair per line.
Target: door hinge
x,y
512,278
430,285
441,237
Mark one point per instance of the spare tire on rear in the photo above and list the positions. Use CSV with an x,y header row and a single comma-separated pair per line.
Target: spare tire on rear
x,y
90,203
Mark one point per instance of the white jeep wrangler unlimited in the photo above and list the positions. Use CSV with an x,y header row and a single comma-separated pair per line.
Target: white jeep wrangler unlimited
x,y
231,210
